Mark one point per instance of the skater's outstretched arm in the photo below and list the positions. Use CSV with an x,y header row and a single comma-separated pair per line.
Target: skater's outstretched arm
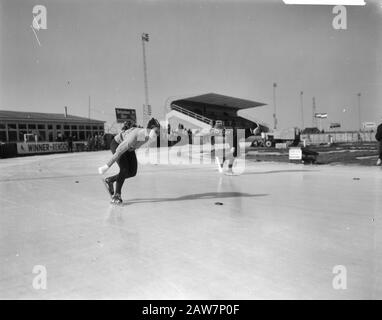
x,y
132,142
121,149
124,146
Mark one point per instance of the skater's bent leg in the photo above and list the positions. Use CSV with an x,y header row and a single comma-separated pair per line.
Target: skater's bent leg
x,y
120,180
123,163
112,178
128,168
133,164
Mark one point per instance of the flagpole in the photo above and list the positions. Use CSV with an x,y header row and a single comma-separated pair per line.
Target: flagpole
x,y
145,38
274,106
359,112
302,109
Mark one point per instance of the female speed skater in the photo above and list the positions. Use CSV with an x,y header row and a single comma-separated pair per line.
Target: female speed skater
x,y
123,147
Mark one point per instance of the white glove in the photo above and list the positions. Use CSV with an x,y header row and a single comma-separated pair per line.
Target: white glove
x,y
103,169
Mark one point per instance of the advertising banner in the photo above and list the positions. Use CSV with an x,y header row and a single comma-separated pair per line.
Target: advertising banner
x,y
41,147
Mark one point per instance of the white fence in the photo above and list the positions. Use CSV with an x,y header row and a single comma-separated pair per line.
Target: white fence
x,y
338,137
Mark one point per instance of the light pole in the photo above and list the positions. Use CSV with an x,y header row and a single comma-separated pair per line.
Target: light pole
x,y
314,119
89,107
359,111
274,106
146,106
302,109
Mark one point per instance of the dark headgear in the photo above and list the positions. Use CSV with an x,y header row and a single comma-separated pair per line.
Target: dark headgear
x,y
153,123
128,124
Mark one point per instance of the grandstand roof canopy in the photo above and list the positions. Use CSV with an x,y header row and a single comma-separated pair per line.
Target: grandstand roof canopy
x,y
38,116
222,101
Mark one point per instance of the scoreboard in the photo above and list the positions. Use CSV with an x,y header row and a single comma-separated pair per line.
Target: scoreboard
x,y
123,115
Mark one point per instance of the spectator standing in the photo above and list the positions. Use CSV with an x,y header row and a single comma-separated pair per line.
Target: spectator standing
x,y
70,143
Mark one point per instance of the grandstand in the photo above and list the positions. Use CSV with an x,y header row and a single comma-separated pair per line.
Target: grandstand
x,y
204,111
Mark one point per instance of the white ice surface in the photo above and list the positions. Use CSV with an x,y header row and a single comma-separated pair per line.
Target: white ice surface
x,y
279,233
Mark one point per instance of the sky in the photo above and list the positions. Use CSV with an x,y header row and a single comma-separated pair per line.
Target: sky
x,y
236,48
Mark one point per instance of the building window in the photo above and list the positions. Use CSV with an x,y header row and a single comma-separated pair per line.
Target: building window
x,y
21,134
66,127
3,136
82,135
59,132
41,132
41,135
2,126
59,136
12,126
50,133
31,127
12,134
22,130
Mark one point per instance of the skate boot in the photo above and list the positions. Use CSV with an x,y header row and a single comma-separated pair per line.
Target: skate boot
x,y
109,186
229,172
116,199
379,162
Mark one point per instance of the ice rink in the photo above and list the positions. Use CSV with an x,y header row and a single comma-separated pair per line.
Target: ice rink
x,y
280,231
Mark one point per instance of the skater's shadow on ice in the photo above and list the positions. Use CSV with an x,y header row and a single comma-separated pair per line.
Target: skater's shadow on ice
x,y
277,171
196,196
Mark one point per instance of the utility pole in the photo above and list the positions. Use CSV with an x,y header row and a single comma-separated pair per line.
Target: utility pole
x,y
359,111
146,106
274,106
302,109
